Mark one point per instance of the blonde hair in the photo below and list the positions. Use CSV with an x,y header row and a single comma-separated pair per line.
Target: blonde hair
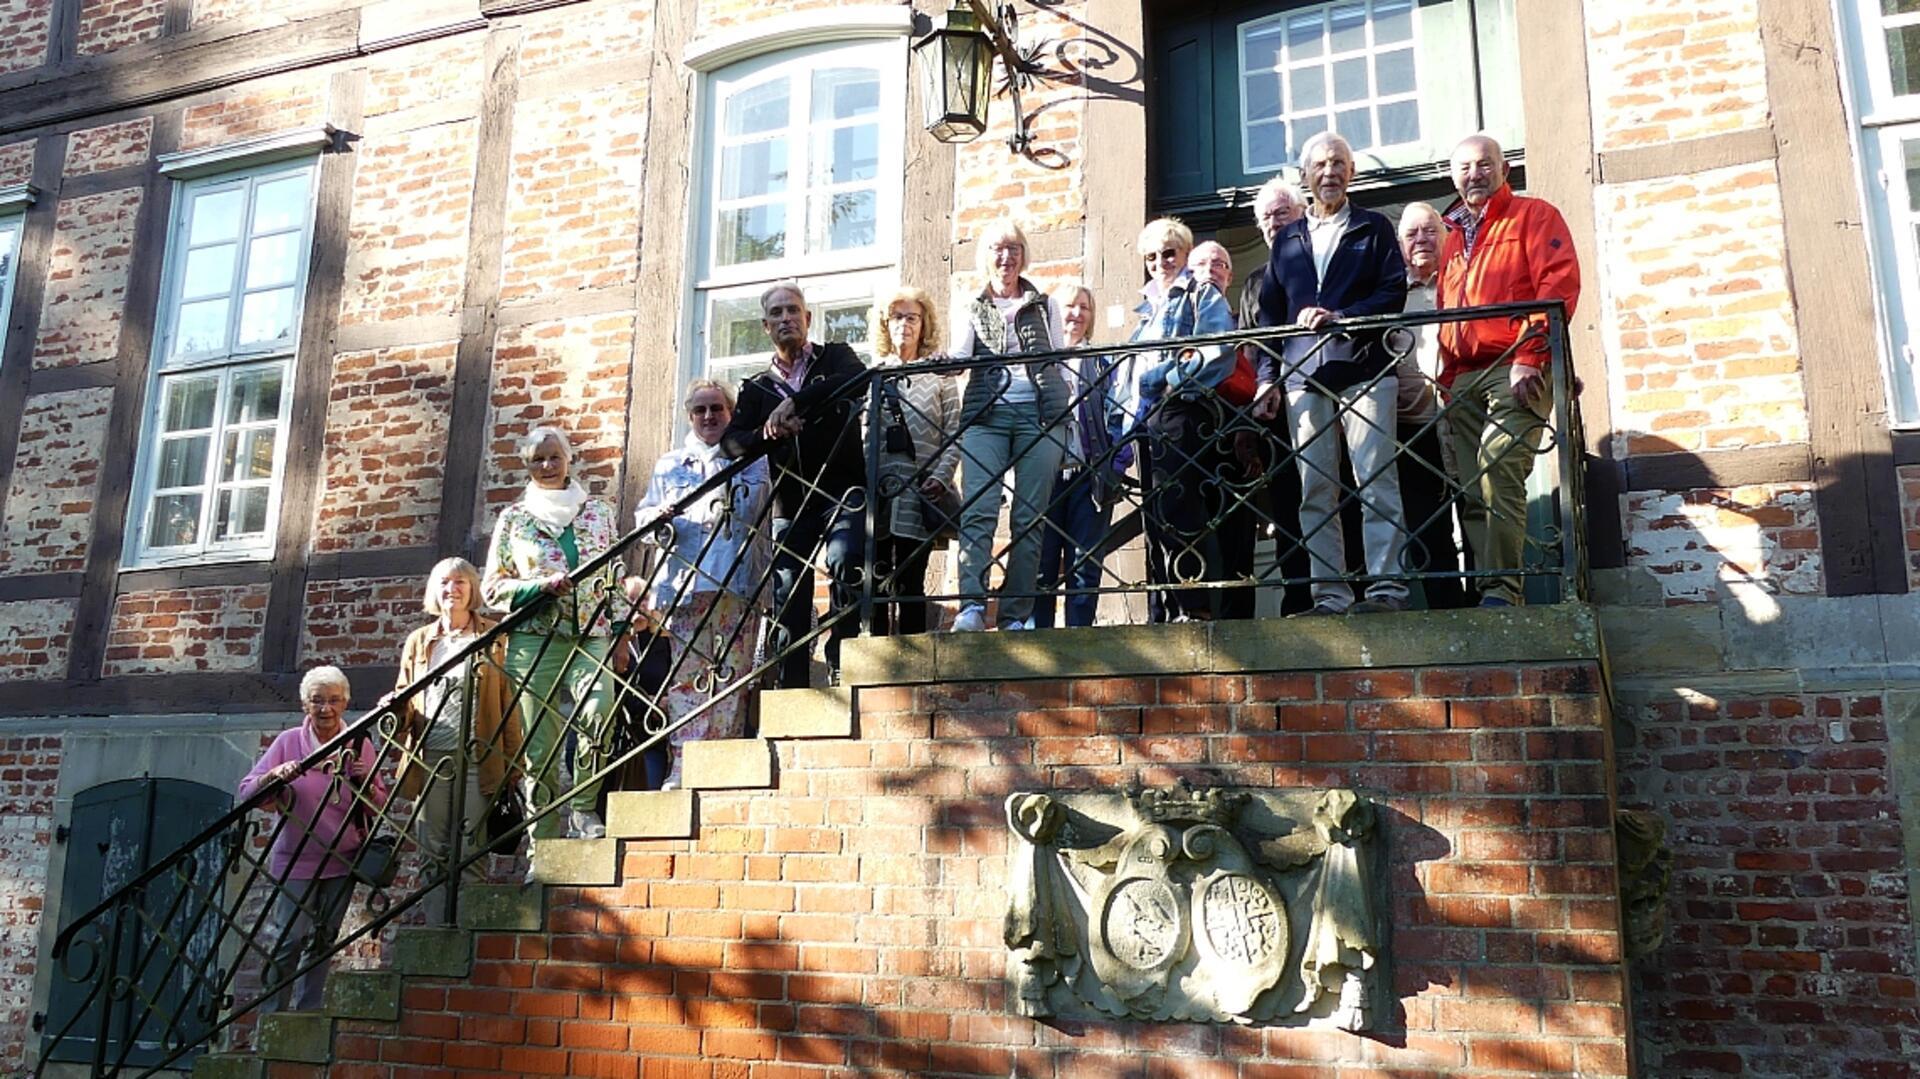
x,y
997,233
1064,294
698,384
883,342
443,569
1162,231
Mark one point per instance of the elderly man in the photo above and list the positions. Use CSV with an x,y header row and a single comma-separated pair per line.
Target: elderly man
x,y
1342,261
1503,249
1275,206
1422,463
816,461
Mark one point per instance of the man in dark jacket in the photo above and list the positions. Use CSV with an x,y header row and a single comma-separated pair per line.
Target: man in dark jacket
x,y
1339,262
805,405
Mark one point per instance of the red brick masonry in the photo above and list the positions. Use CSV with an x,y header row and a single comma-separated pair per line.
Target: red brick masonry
x,y
849,922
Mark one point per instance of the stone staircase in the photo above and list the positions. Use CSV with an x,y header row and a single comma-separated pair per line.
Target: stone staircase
x,y
446,952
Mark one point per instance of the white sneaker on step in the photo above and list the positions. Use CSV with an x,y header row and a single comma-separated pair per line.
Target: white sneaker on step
x,y
586,824
971,619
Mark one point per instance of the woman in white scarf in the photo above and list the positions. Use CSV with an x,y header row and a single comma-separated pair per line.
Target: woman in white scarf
x,y
715,555
553,529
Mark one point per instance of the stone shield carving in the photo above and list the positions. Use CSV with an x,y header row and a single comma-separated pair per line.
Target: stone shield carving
x,y
1215,905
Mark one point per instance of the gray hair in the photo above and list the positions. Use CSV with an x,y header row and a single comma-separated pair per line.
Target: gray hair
x,y
531,441
998,232
783,285
1324,138
445,568
1277,187
1482,140
327,675
698,384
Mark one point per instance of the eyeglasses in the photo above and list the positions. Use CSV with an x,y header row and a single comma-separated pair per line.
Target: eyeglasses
x,y
1170,254
904,316
326,702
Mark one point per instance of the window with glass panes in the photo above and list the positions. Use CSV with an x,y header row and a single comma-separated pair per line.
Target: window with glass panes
x,y
9,268
1348,67
228,327
1883,39
801,175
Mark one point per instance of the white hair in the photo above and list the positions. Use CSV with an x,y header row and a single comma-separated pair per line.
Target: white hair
x,y
328,675
1324,138
786,284
1277,187
531,441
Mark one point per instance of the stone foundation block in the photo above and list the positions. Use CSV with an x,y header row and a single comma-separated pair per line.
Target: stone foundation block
x,y
432,952
363,994
576,861
727,764
650,814
806,713
301,1037
521,907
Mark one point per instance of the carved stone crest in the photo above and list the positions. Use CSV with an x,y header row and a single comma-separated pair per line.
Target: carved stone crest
x,y
1180,905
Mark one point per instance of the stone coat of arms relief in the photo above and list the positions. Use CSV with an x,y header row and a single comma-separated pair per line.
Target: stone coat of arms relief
x,y
1221,905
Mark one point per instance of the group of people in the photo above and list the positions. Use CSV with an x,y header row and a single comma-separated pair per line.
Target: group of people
x,y
1295,430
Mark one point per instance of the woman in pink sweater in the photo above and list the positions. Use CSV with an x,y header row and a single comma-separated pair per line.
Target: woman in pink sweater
x,y
314,847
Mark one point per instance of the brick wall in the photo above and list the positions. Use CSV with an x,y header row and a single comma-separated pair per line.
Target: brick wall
x,y
1790,950
1693,541
851,920
24,26
35,636
29,771
106,25
573,203
572,374
360,622
1666,70
387,414
1699,313
87,279
261,107
1910,514
109,146
49,510
407,244
16,162
605,31
208,11
186,629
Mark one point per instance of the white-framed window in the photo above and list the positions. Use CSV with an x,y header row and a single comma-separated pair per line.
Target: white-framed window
x,y
214,435
1350,67
1883,53
10,228
800,177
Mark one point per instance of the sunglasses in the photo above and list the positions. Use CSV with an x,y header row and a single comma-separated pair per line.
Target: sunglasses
x,y
1170,254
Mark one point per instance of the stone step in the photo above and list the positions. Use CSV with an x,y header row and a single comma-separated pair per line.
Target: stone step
x,y
519,907
576,861
299,1037
363,994
650,814
727,764
432,951
229,1066
806,713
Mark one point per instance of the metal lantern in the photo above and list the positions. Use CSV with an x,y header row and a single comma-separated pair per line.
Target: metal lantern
x,y
956,76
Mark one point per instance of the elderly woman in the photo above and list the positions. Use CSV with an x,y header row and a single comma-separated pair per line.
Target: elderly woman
x,y
1013,417
434,734
554,529
714,557
1168,395
315,847
919,423
1083,496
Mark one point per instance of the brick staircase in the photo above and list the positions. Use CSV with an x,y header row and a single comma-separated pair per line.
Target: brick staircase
x,y
361,996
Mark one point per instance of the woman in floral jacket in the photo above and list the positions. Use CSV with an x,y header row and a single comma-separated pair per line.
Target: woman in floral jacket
x,y
553,529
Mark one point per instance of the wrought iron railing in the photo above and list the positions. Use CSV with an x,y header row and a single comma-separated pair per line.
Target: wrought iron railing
x,y
191,950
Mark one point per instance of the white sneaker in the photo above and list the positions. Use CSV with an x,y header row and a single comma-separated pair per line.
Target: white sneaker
x,y
1015,627
586,824
971,619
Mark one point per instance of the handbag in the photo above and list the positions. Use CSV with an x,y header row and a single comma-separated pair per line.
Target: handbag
x,y
508,811
378,861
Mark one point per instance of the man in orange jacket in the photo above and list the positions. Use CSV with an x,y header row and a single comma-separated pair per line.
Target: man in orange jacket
x,y
1503,248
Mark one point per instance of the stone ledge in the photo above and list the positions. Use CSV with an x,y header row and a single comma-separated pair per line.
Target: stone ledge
x,y
363,994
650,814
806,713
576,861
727,764
432,952
1564,632
229,1066
300,1037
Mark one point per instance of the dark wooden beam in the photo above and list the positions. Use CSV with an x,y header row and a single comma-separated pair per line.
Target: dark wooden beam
x,y
94,610
220,693
171,67
29,292
63,32
1719,468
1687,156
179,16
80,376
384,562
1857,497
40,586
480,305
653,370
213,576
312,375
94,183
1906,447
1560,169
